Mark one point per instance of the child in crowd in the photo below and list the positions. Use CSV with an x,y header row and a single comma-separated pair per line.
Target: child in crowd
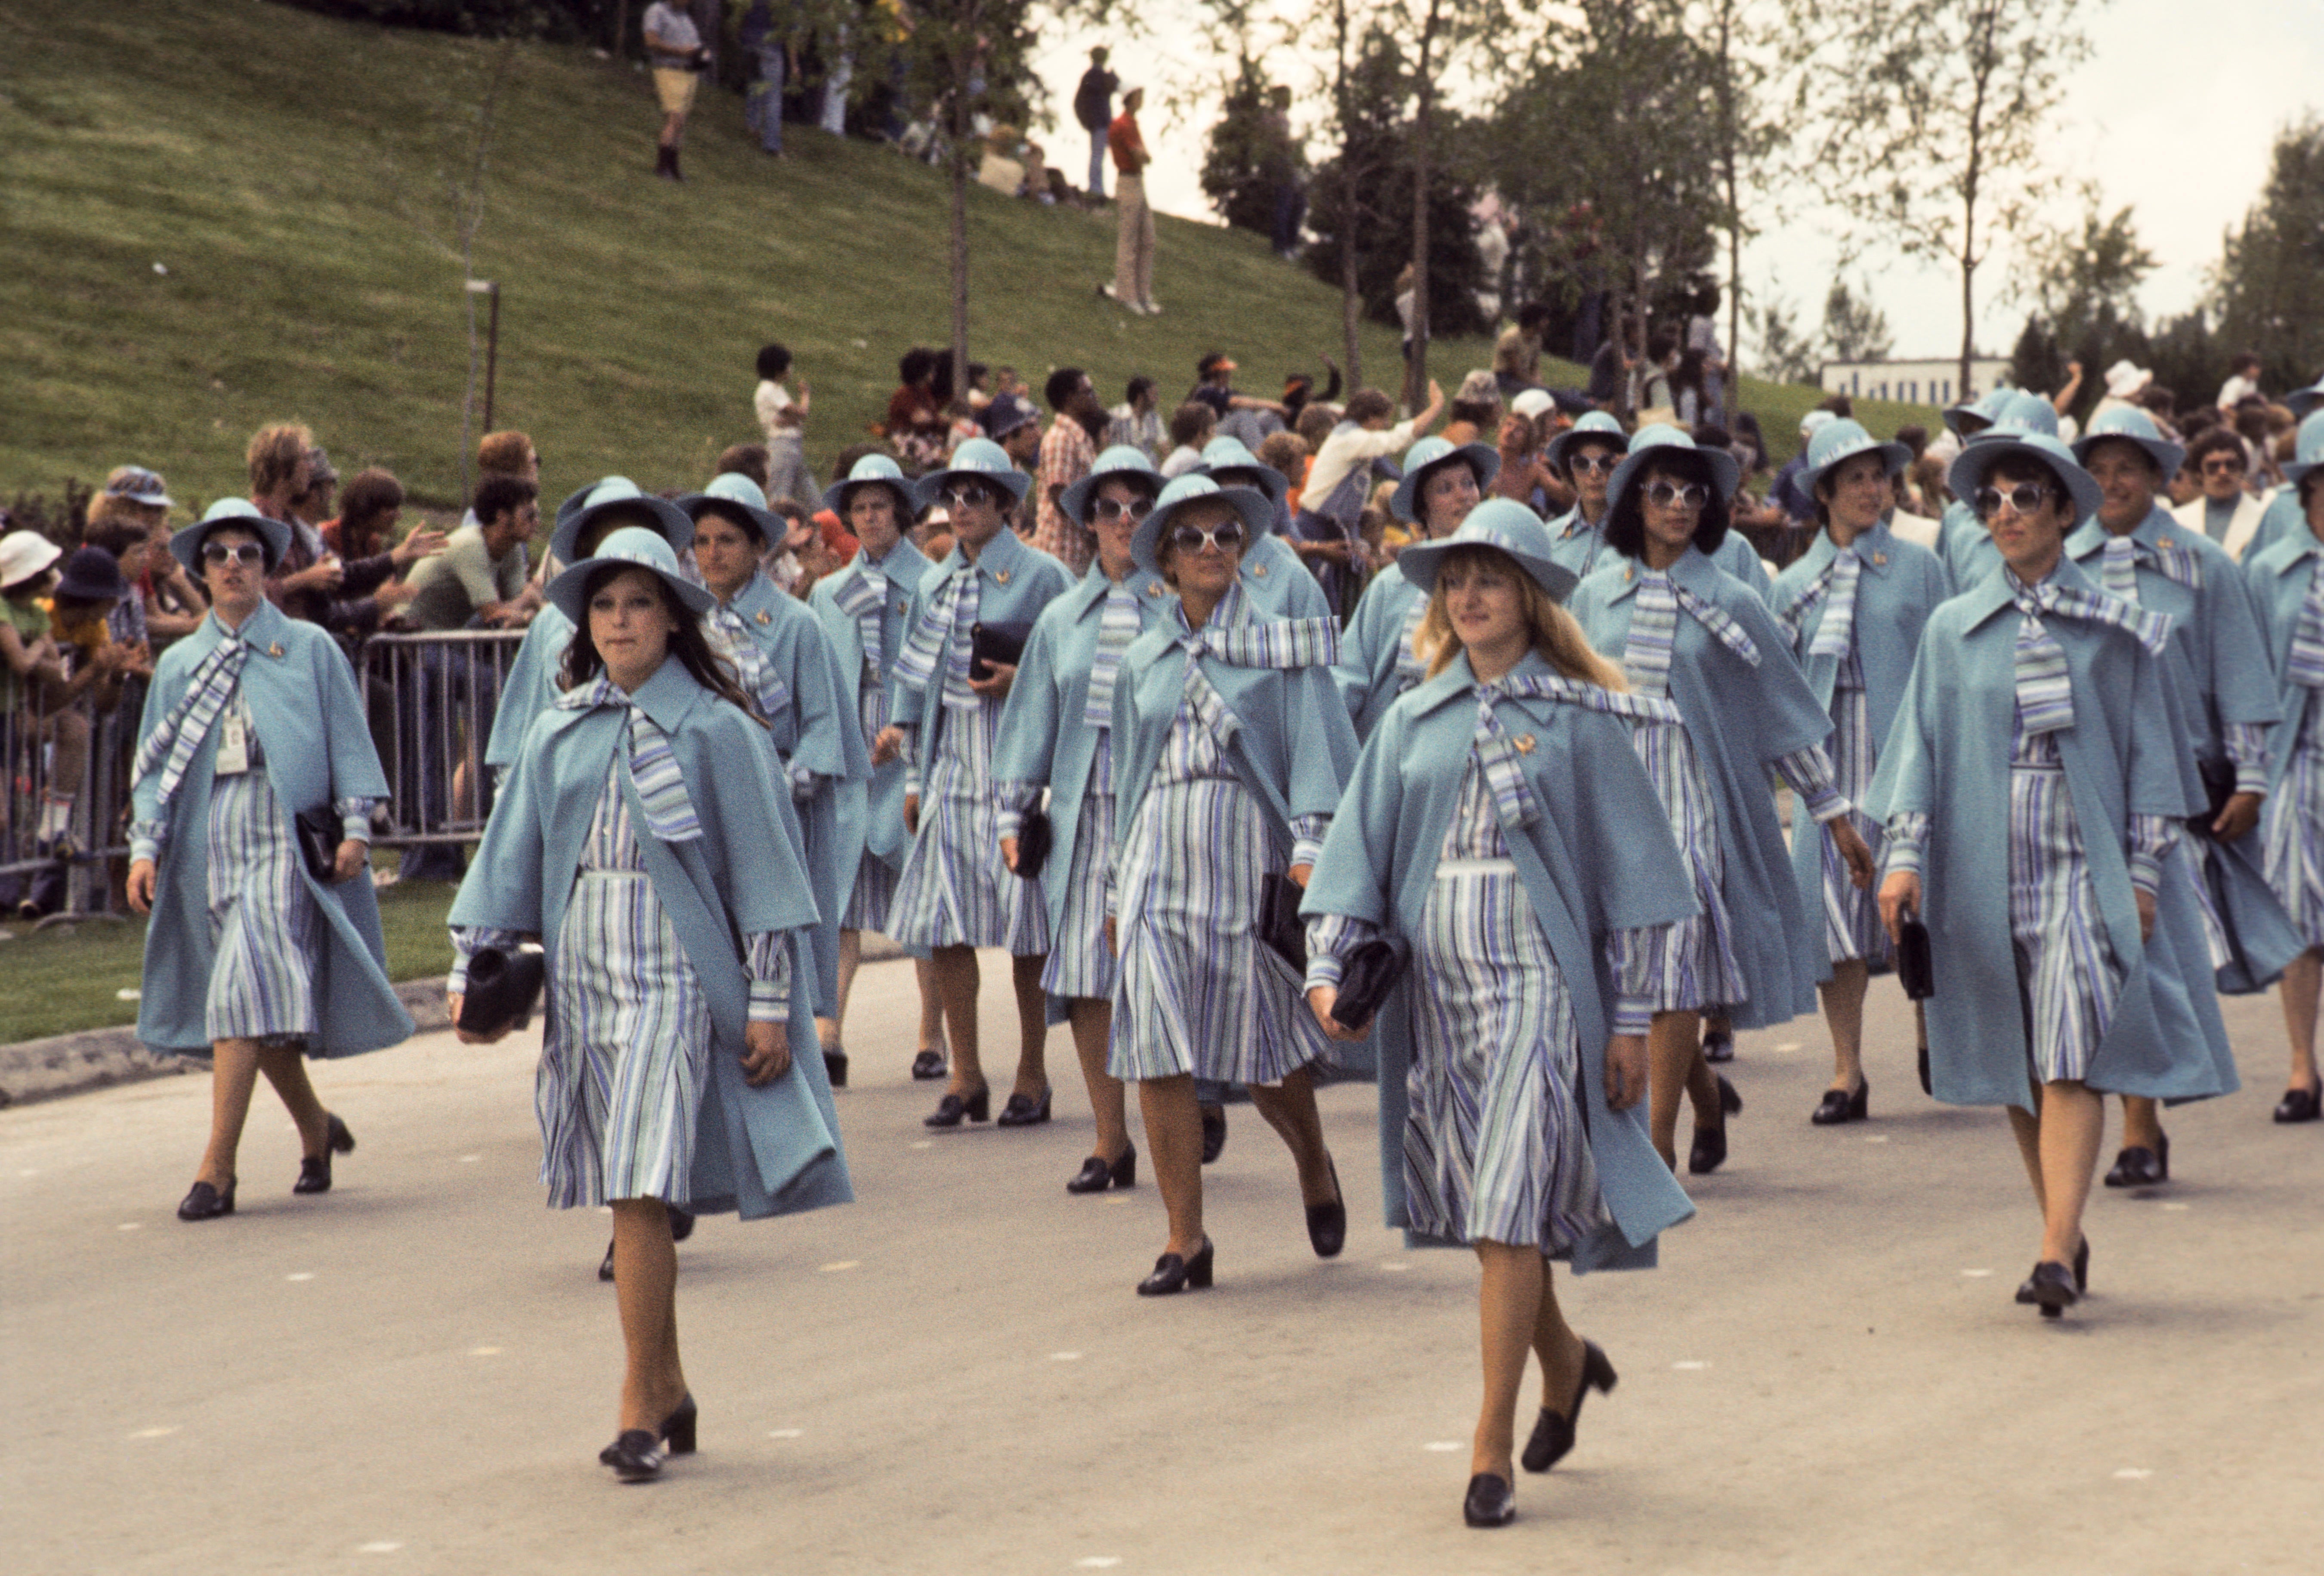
x,y
785,421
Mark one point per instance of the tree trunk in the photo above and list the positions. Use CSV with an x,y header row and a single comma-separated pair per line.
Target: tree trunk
x,y
1729,135
1415,374
1352,300
959,164
620,29
1970,180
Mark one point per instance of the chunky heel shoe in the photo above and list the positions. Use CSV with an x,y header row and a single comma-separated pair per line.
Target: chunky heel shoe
x,y
2140,1167
930,1066
635,1457
1214,1132
1552,1432
206,1202
315,1170
1174,1274
976,1108
677,1428
1490,1502
1718,1047
605,1268
1021,1112
2300,1105
1096,1174
2082,1267
1327,1224
2050,1288
1839,1106
835,1066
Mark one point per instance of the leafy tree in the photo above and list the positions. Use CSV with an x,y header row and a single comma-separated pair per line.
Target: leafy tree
x,y
1786,353
2083,280
1854,329
2270,281
1240,163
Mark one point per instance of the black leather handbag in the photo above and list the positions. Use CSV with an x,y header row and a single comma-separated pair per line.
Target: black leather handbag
x,y
1034,838
502,987
320,833
990,643
1369,972
2218,788
1916,970
1279,925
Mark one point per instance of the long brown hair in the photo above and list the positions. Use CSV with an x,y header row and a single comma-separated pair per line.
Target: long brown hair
x,y
687,642
1550,630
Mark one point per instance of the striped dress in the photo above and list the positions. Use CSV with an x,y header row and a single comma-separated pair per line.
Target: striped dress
x,y
264,923
1080,963
954,890
2295,828
1851,916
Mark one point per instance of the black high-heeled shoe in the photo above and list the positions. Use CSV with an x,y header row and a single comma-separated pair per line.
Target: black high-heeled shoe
x,y
1552,1433
1708,1151
1327,1224
677,1428
1021,1112
1097,1174
1838,1106
976,1108
930,1064
2050,1288
2140,1167
205,1203
635,1456
2082,1266
1718,1048
1214,1132
1174,1274
1489,1501
315,1170
2300,1105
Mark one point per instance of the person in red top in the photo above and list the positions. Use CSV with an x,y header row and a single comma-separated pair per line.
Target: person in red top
x,y
1133,252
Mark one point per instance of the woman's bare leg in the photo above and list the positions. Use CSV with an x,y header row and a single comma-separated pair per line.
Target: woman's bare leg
x,y
645,1288
2073,1123
1509,1314
830,1030
2301,982
1032,1026
1674,1054
1093,1024
285,1067
932,1030
957,981
1843,1015
234,1075
1174,1141
1289,1109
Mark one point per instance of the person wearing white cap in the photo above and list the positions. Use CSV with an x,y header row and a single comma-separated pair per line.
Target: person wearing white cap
x,y
1852,608
954,894
2222,922
2125,382
253,759
1500,826
33,673
642,842
2285,583
2031,789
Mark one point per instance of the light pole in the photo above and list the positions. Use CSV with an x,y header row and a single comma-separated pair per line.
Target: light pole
x,y
492,291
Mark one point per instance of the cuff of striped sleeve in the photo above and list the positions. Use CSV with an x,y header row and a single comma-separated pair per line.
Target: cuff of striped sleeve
x,y
1015,797
1307,838
1902,841
804,784
354,819
145,840
1330,936
468,941
2247,746
768,964
2151,841
1633,1014
1809,772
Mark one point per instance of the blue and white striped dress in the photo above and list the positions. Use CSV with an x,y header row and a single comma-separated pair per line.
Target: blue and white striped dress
x,y
2295,828
1080,965
954,890
1851,916
264,923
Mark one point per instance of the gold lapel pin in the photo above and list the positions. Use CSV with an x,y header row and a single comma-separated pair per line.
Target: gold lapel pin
x,y
275,649
1879,560
1525,743
1259,570
1000,577
765,617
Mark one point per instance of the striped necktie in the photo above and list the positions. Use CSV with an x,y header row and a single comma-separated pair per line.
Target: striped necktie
x,y
1409,671
862,596
1117,627
1653,631
653,762
1278,643
1836,588
1501,757
2307,664
173,745
944,629
759,680
2045,693
2118,572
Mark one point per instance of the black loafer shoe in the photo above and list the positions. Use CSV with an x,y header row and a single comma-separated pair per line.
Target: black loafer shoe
x,y
1214,1132
1174,1274
1096,1175
681,1223
2050,1288
206,1202
1021,1112
2137,1167
605,1266
635,1457
976,1108
1718,1047
1552,1433
1838,1106
314,1174
2300,1105
1490,1502
1327,1224
929,1065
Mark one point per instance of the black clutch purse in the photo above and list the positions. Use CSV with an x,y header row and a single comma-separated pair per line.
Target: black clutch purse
x,y
1368,974
1915,971
1279,925
503,986
2218,788
1034,838
990,643
320,833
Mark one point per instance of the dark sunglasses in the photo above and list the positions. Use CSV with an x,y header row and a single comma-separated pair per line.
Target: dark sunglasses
x,y
239,553
1687,495
1112,508
2022,498
2220,465
1227,538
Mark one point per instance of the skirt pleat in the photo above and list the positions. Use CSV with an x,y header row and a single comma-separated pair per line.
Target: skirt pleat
x,y
1851,916
265,928
1080,965
1696,962
2067,971
2295,841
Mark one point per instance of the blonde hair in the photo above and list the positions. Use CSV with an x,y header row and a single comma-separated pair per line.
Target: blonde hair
x,y
1550,630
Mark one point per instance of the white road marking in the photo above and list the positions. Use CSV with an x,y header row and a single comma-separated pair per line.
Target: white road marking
x,y
377,1548
1977,1274
128,1225
155,1432
843,1263
784,1433
2134,1474
1064,1356
484,1352
1691,1367
300,1275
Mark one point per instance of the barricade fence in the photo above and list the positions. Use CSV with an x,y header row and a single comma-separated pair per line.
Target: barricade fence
x,y
428,699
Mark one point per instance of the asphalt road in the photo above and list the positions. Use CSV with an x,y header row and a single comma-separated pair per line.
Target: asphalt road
x,y
414,1372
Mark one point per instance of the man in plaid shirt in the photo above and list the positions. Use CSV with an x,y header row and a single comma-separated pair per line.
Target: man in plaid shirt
x,y
1067,451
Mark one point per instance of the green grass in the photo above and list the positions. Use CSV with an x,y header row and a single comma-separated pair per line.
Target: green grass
x,y
293,174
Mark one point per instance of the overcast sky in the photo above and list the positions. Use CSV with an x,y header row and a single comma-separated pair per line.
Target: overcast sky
x,y
2177,123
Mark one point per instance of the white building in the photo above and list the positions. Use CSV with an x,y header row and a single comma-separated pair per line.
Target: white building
x,y
1915,383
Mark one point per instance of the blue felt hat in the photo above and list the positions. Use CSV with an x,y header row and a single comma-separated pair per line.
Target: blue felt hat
x,y
1231,454
2301,401
1428,454
1975,463
1501,523
580,496
186,546
620,495
874,470
1121,463
1981,411
737,496
2132,425
2015,414
1256,514
2309,450
1598,426
980,459
632,544
1661,441
1842,440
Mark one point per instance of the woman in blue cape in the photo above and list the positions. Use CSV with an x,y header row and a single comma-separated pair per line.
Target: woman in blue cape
x,y
1441,483
253,725
2031,789
1056,732
1230,751
1500,824
1687,632
639,838
786,667
1279,580
863,607
2223,929
2285,583
1852,608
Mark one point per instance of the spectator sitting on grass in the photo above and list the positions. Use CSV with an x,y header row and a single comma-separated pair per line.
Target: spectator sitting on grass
x,y
1191,427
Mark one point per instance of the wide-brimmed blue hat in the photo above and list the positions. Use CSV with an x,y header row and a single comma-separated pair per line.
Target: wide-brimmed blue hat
x,y
1428,454
1501,523
2016,413
1843,440
580,495
1256,514
2130,425
1598,427
739,498
2307,451
874,470
1665,442
980,459
632,544
1124,462
186,546
1231,454
1969,472
1981,411
2301,401
620,495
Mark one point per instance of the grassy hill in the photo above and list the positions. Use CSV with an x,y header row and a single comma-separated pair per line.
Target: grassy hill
x,y
221,213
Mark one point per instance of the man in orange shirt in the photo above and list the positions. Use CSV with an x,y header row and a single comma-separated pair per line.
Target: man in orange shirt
x,y
1133,252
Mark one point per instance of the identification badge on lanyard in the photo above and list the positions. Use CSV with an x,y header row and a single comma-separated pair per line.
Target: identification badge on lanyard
x,y
234,746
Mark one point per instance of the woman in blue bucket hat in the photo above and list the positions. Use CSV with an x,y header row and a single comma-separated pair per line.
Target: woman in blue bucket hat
x,y
1499,825
641,838
2030,791
1687,632
1853,608
1280,584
